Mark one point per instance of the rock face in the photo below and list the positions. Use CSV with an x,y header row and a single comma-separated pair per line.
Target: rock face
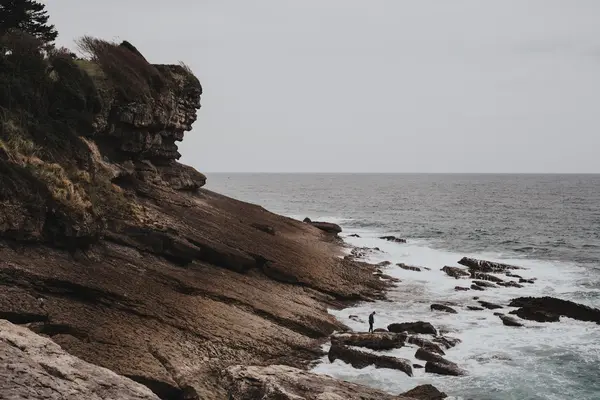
x,y
441,307
413,327
551,305
360,359
373,341
486,266
34,367
456,272
279,382
113,248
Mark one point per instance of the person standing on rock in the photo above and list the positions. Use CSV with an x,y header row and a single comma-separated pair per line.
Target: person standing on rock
x,y
371,321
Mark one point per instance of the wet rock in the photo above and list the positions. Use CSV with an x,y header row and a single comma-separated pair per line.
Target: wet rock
x,y
532,314
356,318
509,321
476,287
474,308
485,284
444,369
447,342
522,280
418,366
387,277
360,359
425,344
280,382
380,330
354,235
511,275
485,277
476,298
384,264
441,307
490,306
456,272
426,355
425,392
510,284
409,267
327,227
34,367
373,341
412,327
306,220
393,239
486,266
461,289
264,228
560,307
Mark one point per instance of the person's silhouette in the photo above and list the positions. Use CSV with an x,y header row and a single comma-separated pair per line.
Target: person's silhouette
x,y
371,321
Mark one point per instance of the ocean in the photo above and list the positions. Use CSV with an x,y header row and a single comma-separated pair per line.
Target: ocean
x,y
549,224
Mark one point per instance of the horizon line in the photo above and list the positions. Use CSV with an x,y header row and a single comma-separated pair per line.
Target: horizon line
x,y
396,173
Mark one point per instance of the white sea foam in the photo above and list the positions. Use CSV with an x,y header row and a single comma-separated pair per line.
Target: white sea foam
x,y
538,361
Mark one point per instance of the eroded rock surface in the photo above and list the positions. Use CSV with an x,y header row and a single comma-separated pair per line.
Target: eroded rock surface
x,y
552,305
373,341
361,359
34,367
413,327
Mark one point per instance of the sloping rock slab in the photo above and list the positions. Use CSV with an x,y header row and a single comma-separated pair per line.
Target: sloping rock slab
x,y
327,227
425,344
360,359
280,382
444,369
33,367
413,327
559,307
486,266
373,341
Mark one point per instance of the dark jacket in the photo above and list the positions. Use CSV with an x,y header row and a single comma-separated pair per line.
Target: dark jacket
x,y
371,319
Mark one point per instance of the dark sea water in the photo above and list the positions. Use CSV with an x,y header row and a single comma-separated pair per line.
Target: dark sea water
x,y
548,223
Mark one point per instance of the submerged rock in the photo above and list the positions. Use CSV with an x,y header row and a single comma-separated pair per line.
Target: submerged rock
x,y
280,382
441,307
556,306
456,272
530,281
409,267
393,239
34,367
360,359
535,315
486,266
485,284
373,341
474,308
510,284
476,287
489,306
461,289
413,327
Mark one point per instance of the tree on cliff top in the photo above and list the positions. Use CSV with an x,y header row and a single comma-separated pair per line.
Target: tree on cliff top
x,y
28,16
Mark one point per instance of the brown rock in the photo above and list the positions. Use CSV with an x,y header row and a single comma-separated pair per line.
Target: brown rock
x,y
444,369
425,344
327,227
409,267
441,307
264,228
447,342
412,327
485,277
474,308
489,306
510,284
425,392
522,280
360,359
373,341
456,272
486,266
533,314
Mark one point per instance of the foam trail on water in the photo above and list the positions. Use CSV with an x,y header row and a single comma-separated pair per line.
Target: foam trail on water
x,y
539,361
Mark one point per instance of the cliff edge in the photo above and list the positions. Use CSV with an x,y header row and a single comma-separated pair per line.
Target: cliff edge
x,y
114,250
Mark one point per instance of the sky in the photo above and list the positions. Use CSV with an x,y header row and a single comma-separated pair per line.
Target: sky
x,y
373,86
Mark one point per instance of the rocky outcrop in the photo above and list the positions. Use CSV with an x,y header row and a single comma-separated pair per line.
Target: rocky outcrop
x,y
373,341
510,284
475,308
409,267
393,239
486,266
327,227
485,277
425,344
360,359
485,284
413,327
444,369
34,367
490,306
533,314
552,305
279,382
509,321
441,307
447,342
477,287
456,272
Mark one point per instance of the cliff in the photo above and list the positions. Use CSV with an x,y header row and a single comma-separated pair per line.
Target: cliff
x,y
114,250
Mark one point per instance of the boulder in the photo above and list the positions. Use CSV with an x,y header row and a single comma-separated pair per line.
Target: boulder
x,y
559,307
444,369
409,267
509,321
485,284
393,239
383,264
327,227
425,392
476,287
380,330
474,308
522,280
426,355
456,272
34,367
486,266
425,344
447,342
418,366
511,275
489,306
461,289
485,277
360,359
510,284
281,382
441,307
413,327
373,341
532,314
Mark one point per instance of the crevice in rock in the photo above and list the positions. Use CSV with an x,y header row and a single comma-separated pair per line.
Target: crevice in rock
x,y
20,318
162,389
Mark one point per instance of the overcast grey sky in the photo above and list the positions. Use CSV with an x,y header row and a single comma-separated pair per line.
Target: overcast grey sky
x,y
373,85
